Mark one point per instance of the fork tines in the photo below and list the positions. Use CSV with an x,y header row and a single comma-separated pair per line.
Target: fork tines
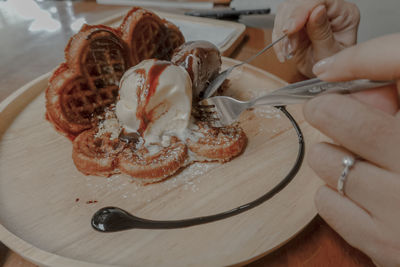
x,y
206,109
209,114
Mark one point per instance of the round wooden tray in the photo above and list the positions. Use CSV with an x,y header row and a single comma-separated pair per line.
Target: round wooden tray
x,y
46,204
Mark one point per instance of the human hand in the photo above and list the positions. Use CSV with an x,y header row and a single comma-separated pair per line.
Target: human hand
x,y
316,29
365,124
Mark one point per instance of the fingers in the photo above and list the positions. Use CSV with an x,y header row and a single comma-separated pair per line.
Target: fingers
x,y
294,16
358,228
320,34
345,217
377,59
290,18
344,23
372,188
385,99
367,132
318,18
298,13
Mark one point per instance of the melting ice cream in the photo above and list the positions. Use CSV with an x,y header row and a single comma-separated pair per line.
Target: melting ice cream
x,y
155,99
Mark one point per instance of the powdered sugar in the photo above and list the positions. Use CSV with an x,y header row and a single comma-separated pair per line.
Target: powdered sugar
x,y
108,124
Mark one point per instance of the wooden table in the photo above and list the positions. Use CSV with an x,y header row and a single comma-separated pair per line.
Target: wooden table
x,y
33,38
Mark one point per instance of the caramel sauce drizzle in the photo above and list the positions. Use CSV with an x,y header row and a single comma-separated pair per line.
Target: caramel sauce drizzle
x,y
147,90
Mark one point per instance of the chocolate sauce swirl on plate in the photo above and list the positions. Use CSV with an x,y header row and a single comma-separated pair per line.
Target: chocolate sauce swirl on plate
x,y
113,219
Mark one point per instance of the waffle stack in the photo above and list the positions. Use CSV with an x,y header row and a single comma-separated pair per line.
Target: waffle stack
x,y
81,96
96,59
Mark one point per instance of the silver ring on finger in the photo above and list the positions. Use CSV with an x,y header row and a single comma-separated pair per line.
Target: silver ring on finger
x,y
348,163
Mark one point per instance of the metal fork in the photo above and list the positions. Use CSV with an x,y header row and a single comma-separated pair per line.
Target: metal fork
x,y
216,83
223,110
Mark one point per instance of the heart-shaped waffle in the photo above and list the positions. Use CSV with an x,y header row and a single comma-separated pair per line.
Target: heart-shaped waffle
x,y
149,36
96,154
80,89
105,150
174,40
96,58
153,167
217,144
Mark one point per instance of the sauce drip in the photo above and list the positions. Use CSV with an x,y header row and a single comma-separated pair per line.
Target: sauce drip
x,y
147,90
112,219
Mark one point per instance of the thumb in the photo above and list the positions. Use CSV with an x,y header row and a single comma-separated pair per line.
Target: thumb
x,y
320,33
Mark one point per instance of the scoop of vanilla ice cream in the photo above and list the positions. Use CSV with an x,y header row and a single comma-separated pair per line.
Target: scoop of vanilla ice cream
x,y
155,99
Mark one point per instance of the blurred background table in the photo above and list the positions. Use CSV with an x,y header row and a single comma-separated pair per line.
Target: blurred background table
x,y
33,36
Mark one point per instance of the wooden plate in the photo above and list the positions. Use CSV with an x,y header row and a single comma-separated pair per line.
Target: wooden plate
x,y
46,204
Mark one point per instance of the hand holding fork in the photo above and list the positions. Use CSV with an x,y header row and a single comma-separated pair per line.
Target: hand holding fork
x,y
223,110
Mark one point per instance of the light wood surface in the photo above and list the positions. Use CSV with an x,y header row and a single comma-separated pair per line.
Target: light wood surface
x,y
48,221
27,54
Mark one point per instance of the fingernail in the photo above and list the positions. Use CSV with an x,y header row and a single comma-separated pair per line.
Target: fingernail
x,y
290,50
289,27
285,47
293,45
290,47
280,57
322,66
